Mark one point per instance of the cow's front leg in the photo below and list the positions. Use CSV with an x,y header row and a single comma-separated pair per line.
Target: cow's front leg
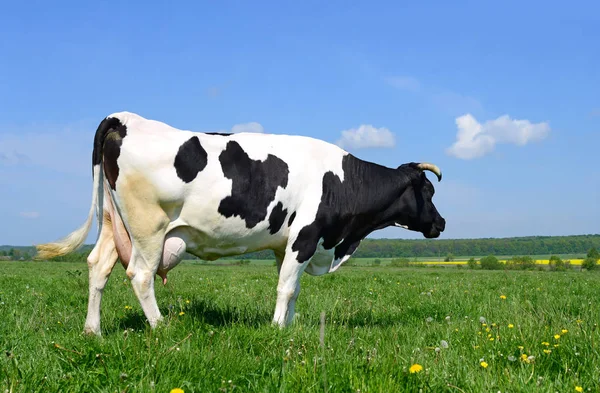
x,y
288,289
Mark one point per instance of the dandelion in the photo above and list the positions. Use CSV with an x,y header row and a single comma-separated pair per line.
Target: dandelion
x,y
491,338
187,301
502,297
510,326
177,390
578,389
511,358
524,357
429,320
484,364
415,368
545,343
556,336
579,321
444,344
520,347
564,331
547,351
481,320
181,313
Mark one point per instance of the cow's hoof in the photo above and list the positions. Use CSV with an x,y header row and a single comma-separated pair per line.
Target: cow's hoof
x,y
88,331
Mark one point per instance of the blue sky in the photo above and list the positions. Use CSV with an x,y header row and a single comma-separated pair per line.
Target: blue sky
x,y
391,82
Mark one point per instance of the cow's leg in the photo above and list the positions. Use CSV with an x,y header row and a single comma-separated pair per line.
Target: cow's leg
x,y
146,223
288,289
101,261
279,255
145,258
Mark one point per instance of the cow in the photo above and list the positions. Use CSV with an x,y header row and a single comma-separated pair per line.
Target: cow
x,y
159,192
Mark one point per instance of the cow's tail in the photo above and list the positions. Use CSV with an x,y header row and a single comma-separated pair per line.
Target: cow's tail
x,y
76,238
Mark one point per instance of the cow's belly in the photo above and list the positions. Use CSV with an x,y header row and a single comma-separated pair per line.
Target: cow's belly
x,y
211,246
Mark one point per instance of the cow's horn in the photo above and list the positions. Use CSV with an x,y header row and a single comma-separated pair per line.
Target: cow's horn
x,y
433,168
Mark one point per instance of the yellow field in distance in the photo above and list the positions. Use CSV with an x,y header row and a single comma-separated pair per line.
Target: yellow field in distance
x,y
464,262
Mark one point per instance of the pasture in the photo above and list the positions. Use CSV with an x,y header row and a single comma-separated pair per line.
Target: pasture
x,y
468,331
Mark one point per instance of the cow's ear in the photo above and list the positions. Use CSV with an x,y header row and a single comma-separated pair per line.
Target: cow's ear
x,y
411,165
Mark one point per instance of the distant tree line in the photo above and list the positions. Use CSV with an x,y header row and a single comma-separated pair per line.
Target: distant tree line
x,y
555,263
421,248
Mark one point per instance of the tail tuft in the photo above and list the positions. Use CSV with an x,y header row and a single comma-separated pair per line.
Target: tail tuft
x,y
75,239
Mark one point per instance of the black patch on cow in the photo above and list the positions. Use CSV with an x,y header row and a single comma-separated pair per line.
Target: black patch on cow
x,y
349,210
291,220
254,183
347,247
218,133
190,159
277,218
107,147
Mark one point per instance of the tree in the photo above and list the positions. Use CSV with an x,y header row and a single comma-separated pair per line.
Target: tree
x,y
490,263
593,253
557,264
589,263
472,263
449,257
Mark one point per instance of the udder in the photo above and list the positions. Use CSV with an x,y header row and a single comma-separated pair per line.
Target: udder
x,y
173,248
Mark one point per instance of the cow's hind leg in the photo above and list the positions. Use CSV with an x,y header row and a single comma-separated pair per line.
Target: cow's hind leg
x,y
101,261
145,259
288,289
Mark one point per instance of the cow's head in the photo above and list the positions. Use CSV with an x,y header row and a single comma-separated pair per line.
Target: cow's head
x,y
414,209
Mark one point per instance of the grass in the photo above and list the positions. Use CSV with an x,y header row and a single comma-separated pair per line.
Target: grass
x,y
379,322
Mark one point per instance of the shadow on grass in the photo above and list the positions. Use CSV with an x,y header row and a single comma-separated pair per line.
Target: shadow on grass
x,y
204,312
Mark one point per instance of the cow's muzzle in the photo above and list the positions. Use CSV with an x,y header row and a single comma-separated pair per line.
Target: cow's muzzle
x,y
436,229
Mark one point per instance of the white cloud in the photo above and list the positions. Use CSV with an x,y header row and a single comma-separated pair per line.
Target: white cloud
x,y
366,136
404,83
31,214
474,139
248,127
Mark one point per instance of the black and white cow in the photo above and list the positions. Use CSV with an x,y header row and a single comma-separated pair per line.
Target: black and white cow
x,y
159,192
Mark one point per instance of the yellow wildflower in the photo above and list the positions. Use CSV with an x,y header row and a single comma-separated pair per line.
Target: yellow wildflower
x,y
556,336
177,390
524,357
484,364
510,326
545,343
415,368
564,331
181,313
520,347
578,389
491,338
502,297
547,351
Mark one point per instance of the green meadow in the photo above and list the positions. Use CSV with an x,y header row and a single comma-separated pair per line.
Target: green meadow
x,y
386,329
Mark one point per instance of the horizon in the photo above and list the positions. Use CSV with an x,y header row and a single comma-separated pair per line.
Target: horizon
x,y
86,244
510,115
